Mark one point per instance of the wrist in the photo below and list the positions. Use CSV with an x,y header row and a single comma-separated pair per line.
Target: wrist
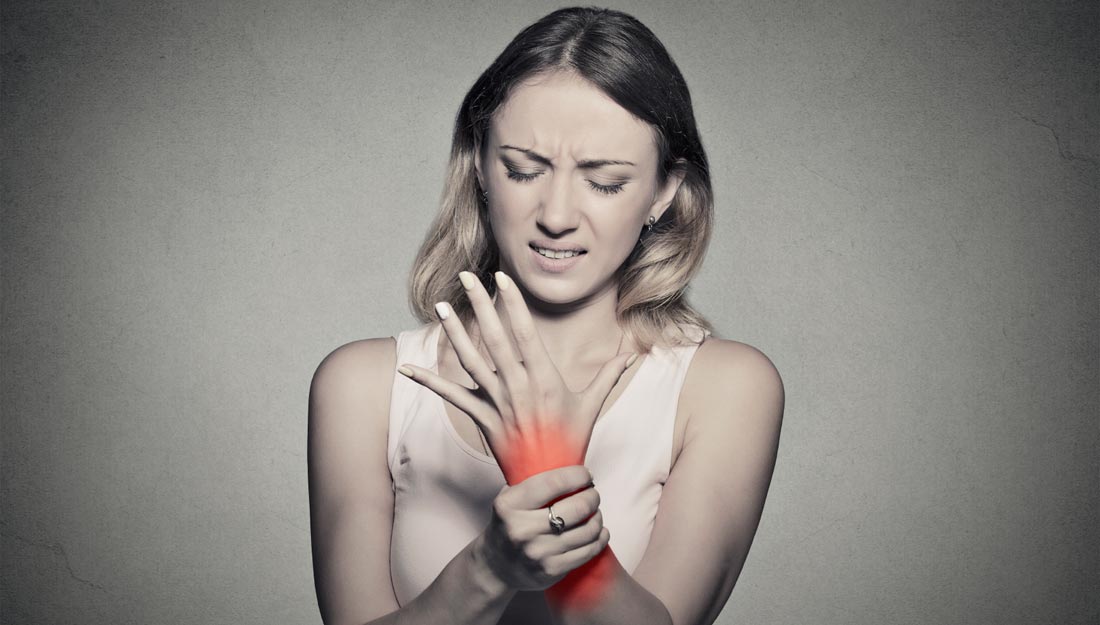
x,y
482,575
586,587
540,449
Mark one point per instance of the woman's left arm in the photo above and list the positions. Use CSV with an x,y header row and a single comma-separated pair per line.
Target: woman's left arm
x,y
711,504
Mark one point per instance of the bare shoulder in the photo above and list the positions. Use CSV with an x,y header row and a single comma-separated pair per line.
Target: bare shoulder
x,y
351,387
730,380
360,365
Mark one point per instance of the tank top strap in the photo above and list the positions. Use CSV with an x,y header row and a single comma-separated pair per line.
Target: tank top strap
x,y
633,440
413,347
668,377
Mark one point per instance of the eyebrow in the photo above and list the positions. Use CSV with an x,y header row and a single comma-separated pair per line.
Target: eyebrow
x,y
585,164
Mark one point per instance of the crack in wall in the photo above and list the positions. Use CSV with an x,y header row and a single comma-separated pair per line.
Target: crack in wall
x,y
58,549
1062,151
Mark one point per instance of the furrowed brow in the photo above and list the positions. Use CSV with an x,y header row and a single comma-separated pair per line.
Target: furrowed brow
x,y
535,156
601,162
585,164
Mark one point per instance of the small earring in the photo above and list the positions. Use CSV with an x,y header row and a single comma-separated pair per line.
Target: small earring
x,y
649,224
485,196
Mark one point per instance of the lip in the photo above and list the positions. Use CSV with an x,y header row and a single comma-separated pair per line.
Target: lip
x,y
555,265
557,247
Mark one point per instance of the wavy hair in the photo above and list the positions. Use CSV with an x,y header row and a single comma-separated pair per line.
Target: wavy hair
x,y
620,56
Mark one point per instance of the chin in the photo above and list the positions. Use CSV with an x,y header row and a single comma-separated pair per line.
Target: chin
x,y
553,289
558,292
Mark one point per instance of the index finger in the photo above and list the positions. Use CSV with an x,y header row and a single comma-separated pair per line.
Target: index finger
x,y
543,488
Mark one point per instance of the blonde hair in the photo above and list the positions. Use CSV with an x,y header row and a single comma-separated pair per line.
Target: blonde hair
x,y
620,56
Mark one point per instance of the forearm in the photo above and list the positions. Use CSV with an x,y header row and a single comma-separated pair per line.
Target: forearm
x,y
623,601
464,593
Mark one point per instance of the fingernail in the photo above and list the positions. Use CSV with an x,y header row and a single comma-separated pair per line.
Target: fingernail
x,y
468,280
630,361
442,310
503,281
405,371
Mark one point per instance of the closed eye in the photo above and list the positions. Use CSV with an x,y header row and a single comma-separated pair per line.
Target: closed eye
x,y
606,189
520,176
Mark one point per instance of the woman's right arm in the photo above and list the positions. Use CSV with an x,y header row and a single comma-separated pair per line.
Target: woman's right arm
x,y
351,505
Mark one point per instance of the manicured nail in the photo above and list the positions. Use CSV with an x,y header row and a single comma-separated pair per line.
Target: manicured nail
x,y
405,371
468,280
503,281
630,361
442,310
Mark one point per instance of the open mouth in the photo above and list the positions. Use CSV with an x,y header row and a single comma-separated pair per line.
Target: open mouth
x,y
555,261
556,254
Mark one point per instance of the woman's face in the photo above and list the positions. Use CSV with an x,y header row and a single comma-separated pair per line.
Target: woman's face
x,y
566,167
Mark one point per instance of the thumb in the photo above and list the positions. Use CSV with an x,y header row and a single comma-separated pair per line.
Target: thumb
x,y
600,387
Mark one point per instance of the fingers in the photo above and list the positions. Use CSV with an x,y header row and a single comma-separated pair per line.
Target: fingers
x,y
531,348
492,331
534,492
458,395
572,559
582,534
547,545
600,387
575,510
530,555
468,355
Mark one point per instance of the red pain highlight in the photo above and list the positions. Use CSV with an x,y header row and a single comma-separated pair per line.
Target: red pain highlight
x,y
542,449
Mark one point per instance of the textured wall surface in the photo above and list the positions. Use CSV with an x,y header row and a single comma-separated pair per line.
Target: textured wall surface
x,y
201,199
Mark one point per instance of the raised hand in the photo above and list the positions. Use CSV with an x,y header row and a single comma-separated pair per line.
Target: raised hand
x,y
531,419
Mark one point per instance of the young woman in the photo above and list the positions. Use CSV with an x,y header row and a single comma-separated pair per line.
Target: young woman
x,y
562,440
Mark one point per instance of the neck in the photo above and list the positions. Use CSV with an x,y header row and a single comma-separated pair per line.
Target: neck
x,y
585,333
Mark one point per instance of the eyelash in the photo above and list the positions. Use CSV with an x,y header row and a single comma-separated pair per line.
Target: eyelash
x,y
610,189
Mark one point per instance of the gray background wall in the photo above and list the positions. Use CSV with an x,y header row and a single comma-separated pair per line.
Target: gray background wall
x,y
201,199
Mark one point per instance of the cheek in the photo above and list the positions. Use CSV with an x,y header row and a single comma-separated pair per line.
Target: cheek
x,y
519,196
516,196
504,220
617,231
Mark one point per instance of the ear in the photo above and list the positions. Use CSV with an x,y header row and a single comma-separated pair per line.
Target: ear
x,y
477,169
664,196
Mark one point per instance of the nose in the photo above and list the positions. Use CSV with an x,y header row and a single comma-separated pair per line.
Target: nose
x,y
557,213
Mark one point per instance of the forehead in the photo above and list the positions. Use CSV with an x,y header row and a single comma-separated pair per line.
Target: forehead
x,y
563,114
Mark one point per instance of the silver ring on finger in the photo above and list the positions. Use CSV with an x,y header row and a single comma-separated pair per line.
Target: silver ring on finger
x,y
557,524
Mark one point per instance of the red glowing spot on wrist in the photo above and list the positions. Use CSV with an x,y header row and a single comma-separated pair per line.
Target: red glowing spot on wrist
x,y
585,586
551,447
535,451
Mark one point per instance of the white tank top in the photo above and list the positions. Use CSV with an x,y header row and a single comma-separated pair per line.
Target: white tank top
x,y
444,488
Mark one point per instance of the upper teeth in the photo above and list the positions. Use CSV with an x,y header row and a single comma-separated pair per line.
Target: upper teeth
x,y
556,254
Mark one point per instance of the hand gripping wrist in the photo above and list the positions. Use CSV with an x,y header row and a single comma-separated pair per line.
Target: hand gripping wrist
x,y
548,448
